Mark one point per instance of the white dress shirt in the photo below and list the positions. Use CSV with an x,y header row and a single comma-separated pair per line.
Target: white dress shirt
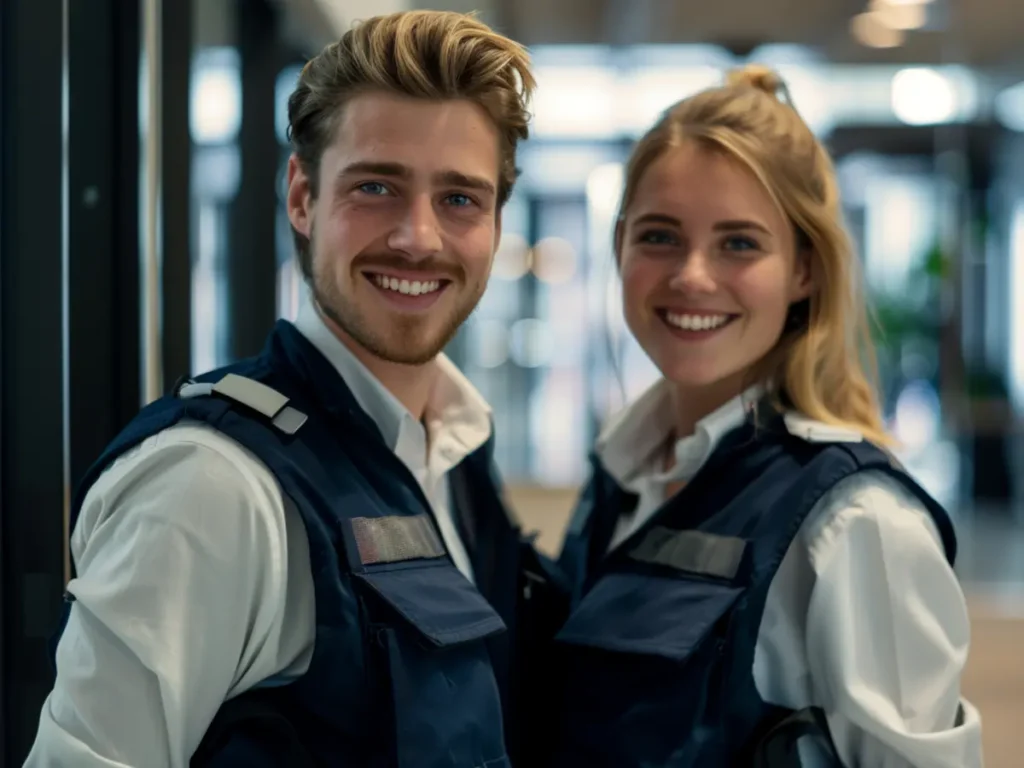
x,y
864,618
194,581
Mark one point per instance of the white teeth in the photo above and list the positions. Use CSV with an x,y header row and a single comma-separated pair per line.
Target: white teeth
x,y
408,287
696,322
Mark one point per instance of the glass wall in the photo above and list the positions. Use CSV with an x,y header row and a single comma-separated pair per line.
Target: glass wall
x,y
216,113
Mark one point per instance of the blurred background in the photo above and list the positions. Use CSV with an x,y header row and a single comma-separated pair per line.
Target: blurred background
x,y
143,237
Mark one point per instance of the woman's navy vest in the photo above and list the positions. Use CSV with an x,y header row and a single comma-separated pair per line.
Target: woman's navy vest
x,y
655,662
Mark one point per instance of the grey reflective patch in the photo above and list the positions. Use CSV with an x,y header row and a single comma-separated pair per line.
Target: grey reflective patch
x,y
192,389
396,538
818,431
289,420
251,394
706,554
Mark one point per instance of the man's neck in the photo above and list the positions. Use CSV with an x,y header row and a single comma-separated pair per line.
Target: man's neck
x,y
410,384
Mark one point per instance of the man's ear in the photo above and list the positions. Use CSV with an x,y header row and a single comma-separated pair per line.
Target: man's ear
x,y
300,197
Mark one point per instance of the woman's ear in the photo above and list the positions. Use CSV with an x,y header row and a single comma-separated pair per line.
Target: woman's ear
x,y
804,279
620,233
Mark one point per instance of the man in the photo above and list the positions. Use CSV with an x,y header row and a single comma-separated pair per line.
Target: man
x,y
285,563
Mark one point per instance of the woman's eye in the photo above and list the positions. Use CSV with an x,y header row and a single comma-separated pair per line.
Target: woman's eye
x,y
739,244
657,237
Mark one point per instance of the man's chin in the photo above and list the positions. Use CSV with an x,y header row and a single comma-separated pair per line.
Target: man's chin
x,y
406,340
405,351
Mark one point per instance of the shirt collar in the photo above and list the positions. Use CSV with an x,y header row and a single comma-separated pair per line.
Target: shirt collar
x,y
458,409
632,440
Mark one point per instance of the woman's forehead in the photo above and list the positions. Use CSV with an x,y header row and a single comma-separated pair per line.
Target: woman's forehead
x,y
692,181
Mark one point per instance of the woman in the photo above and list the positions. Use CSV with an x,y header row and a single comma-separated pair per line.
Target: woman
x,y
748,564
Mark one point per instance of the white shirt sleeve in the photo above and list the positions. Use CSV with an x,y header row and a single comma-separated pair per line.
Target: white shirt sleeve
x,y
182,566
887,632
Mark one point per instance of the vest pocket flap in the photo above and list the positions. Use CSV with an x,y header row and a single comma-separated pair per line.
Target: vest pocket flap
x,y
635,613
438,601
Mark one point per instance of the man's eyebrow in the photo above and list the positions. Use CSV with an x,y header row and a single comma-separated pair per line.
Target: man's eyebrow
x,y
397,170
377,169
457,179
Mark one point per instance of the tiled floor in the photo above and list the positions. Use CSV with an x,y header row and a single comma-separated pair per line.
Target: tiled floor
x,y
991,567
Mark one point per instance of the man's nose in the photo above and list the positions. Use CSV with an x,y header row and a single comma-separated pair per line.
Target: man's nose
x,y
418,233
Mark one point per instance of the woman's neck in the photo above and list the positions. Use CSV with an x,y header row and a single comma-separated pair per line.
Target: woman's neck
x,y
692,404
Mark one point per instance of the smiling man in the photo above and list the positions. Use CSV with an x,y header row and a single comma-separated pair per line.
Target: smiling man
x,y
303,559
397,232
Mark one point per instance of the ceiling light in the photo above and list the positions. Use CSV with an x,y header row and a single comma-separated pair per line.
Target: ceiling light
x,y
1009,107
215,101
899,14
870,29
922,96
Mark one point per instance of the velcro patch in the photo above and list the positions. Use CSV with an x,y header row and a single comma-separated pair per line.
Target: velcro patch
x,y
704,554
396,538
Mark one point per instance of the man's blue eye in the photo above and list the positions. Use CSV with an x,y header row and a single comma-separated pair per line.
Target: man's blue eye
x,y
459,200
373,188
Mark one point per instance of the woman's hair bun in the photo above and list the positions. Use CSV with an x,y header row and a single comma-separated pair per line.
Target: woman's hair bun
x,y
756,76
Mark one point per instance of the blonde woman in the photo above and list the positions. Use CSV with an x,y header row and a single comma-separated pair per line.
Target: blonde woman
x,y
749,565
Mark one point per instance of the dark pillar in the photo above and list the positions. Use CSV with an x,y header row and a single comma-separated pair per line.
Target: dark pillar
x,y
104,344
32,466
175,190
252,260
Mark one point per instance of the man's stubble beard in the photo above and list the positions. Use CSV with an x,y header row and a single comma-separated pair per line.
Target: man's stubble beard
x,y
393,346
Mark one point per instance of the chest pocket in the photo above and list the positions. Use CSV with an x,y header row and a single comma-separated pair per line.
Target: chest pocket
x,y
646,615
427,625
643,655
678,586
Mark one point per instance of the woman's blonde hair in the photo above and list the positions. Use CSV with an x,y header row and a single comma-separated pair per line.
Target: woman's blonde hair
x,y
824,363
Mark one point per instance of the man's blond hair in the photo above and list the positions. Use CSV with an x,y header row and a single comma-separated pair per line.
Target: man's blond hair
x,y
424,54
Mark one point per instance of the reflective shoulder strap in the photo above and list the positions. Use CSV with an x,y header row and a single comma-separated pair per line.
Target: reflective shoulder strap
x,y
254,395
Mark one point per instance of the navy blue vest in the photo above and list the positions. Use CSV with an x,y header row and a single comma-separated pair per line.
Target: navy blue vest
x,y
658,650
412,666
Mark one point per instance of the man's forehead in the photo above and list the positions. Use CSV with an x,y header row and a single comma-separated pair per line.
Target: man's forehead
x,y
424,137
